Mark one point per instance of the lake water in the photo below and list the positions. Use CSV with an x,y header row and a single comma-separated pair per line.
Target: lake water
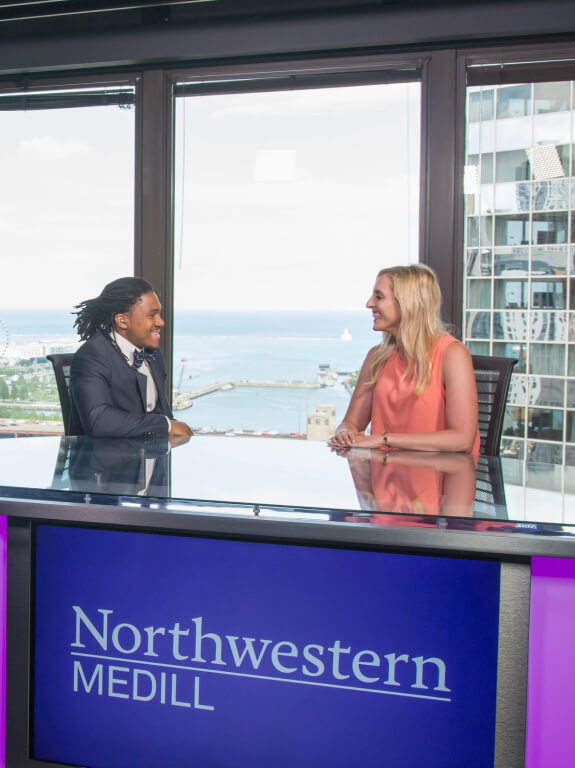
x,y
255,346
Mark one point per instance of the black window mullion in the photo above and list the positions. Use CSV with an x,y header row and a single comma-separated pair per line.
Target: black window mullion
x,y
524,72
257,82
63,100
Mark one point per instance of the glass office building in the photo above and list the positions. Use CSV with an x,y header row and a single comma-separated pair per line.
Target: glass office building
x,y
519,297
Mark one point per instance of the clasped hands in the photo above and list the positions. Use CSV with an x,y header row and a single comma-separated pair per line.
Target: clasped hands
x,y
349,438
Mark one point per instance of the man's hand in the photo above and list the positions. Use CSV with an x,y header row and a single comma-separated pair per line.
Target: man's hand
x,y
179,429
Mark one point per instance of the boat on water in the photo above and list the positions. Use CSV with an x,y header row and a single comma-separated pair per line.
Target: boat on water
x,y
346,335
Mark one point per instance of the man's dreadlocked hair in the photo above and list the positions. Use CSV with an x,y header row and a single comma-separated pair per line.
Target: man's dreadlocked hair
x,y
116,298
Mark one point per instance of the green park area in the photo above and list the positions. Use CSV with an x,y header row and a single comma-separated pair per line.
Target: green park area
x,y
28,391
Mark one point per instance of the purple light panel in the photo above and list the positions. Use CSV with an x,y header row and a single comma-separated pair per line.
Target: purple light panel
x,y
3,539
551,680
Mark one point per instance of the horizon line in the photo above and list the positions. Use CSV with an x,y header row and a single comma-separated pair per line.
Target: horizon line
x,y
218,311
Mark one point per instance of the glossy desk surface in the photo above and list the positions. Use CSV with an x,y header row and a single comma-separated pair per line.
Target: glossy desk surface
x,y
291,480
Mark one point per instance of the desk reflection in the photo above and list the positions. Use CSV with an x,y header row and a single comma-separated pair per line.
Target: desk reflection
x,y
131,467
421,485
392,488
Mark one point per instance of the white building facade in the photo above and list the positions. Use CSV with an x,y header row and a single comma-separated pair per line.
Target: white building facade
x,y
519,297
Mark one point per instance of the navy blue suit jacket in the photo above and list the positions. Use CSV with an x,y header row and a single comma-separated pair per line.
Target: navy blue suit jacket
x,y
108,396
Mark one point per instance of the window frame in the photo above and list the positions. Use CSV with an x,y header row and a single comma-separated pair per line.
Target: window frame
x,y
509,65
276,75
443,75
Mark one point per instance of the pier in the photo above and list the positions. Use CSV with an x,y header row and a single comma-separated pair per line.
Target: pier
x,y
185,399
291,384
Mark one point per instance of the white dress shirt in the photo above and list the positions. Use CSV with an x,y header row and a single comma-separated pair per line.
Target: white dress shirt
x,y
127,349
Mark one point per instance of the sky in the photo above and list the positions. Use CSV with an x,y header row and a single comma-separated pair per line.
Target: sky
x,y
287,200
294,199
66,204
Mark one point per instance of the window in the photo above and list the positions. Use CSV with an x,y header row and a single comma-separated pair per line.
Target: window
x,y
287,204
66,208
513,101
523,301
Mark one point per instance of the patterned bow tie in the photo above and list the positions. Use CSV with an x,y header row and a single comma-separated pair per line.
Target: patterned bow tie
x,y
140,356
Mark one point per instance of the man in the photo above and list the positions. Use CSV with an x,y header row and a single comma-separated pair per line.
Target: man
x,y
118,376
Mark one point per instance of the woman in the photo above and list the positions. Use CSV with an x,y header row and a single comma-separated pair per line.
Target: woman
x,y
413,483
417,388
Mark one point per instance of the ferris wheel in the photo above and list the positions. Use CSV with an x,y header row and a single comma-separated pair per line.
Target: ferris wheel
x,y
4,338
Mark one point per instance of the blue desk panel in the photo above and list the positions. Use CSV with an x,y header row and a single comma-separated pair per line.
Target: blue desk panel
x,y
169,650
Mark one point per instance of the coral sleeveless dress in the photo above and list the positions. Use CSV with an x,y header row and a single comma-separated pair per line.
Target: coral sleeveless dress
x,y
396,407
405,489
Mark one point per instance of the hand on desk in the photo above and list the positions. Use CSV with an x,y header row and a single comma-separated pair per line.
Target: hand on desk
x,y
179,429
361,440
175,440
351,439
344,438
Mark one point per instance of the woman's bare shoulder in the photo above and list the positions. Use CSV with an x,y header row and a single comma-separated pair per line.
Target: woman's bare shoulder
x,y
456,349
456,359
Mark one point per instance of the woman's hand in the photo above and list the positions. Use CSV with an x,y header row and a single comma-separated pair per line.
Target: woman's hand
x,y
369,441
343,437
353,439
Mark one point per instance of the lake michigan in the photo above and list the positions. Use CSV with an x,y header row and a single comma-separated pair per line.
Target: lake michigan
x,y
231,346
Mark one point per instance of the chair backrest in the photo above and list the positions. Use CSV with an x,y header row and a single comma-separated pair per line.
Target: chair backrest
x,y
489,489
61,365
492,376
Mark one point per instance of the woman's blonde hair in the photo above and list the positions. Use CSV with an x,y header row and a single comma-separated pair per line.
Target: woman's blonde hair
x,y
419,297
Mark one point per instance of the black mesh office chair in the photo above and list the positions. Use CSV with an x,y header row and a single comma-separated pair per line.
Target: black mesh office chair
x,y
492,376
489,489
61,365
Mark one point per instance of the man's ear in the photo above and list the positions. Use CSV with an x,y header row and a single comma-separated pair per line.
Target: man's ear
x,y
121,321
